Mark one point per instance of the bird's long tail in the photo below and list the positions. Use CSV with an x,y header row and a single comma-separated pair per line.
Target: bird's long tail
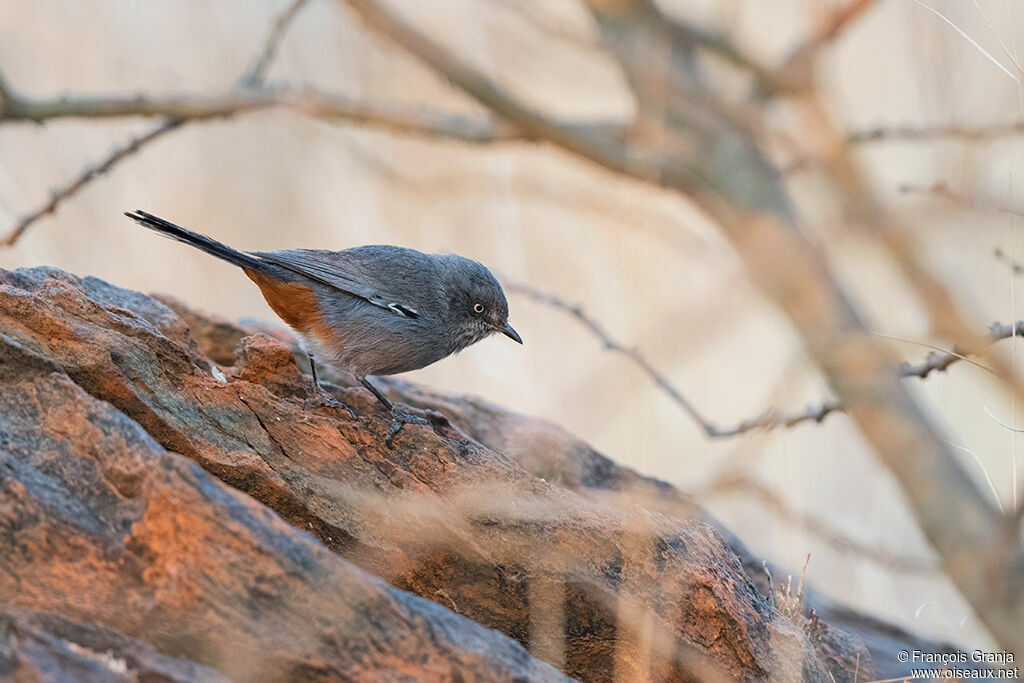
x,y
210,246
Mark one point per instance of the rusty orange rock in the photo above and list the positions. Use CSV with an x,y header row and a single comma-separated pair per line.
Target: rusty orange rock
x,y
288,543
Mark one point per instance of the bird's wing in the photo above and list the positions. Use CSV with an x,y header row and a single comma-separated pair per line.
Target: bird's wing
x,y
393,278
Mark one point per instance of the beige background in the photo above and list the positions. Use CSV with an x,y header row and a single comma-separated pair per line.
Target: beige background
x,y
642,262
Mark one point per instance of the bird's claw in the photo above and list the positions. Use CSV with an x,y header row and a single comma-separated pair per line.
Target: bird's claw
x,y
399,419
325,399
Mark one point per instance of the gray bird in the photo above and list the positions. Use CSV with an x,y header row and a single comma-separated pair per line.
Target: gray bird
x,y
371,310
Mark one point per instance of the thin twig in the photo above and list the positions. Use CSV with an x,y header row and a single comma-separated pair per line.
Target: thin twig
x,y
1002,43
84,178
408,120
768,420
981,465
800,585
941,190
1015,266
1001,423
5,91
610,343
545,26
176,111
257,72
970,40
253,77
942,353
911,133
837,22
796,70
939,361
721,46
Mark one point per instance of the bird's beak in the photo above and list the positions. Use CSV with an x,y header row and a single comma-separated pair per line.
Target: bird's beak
x,y
510,333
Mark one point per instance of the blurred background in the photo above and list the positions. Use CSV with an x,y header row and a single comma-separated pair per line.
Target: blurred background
x,y
645,263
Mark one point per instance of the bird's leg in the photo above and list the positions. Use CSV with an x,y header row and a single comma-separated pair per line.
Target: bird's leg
x,y
399,418
320,396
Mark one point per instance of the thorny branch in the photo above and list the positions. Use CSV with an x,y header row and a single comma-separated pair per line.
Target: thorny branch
x,y
816,412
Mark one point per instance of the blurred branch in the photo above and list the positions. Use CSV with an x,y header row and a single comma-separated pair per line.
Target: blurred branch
x,y
257,72
792,77
84,178
603,148
738,483
933,133
1016,266
837,22
405,120
868,213
918,134
253,77
682,33
796,70
5,90
941,190
528,13
247,97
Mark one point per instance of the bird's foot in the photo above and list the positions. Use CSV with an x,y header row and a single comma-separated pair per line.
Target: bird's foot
x,y
400,418
321,399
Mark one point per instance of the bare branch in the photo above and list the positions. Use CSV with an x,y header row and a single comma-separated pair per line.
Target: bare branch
x,y
257,72
177,111
607,149
252,77
796,71
406,120
918,134
610,343
1016,266
934,133
5,91
548,28
83,179
935,361
837,22
941,190
720,45
768,420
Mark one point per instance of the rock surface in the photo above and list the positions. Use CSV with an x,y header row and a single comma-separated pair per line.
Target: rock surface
x,y
499,520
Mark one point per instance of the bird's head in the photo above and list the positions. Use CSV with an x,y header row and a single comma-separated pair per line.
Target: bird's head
x,y
477,304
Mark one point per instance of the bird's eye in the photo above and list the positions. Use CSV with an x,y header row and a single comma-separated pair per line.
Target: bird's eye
x,y
478,308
